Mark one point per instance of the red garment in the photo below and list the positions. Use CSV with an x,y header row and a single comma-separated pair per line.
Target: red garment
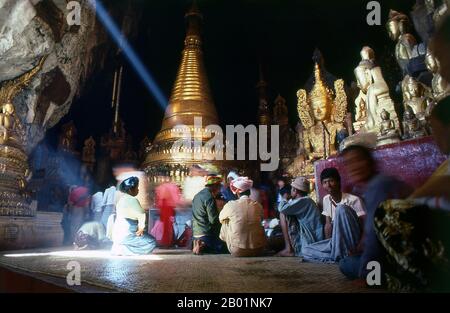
x,y
265,204
79,197
167,198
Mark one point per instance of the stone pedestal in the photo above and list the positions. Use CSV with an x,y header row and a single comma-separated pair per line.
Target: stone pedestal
x,y
42,230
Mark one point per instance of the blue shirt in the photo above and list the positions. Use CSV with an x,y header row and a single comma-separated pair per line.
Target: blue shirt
x,y
379,189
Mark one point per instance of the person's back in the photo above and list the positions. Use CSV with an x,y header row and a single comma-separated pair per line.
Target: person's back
x,y
203,222
244,221
378,189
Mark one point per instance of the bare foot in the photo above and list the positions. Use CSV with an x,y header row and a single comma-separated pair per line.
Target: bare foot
x,y
285,253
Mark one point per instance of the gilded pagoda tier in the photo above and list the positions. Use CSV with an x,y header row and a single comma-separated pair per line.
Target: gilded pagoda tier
x,y
190,99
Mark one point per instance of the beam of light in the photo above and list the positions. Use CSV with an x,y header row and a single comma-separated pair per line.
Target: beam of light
x,y
87,254
130,54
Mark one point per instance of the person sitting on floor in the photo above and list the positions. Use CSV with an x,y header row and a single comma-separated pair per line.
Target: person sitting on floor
x,y
344,215
205,218
128,231
362,171
92,235
299,219
242,222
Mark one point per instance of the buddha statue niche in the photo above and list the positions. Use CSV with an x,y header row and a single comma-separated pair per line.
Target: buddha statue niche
x,y
322,113
440,88
414,96
398,30
373,96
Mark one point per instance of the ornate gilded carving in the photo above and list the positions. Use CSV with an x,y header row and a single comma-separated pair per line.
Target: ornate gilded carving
x,y
322,114
13,160
11,129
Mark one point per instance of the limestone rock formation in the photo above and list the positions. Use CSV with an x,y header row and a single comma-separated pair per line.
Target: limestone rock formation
x,y
30,29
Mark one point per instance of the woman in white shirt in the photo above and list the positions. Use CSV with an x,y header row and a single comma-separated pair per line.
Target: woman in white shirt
x,y
128,232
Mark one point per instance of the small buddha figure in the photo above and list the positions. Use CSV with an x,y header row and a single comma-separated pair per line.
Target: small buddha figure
x,y
412,127
388,132
322,113
398,30
414,96
7,115
373,96
440,88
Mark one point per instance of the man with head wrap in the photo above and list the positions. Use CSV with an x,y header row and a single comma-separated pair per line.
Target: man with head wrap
x,y
241,222
205,218
76,212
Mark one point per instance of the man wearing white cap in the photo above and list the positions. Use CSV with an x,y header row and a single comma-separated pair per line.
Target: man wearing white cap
x,y
241,222
299,219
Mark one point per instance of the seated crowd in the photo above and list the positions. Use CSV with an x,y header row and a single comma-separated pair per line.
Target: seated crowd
x,y
348,229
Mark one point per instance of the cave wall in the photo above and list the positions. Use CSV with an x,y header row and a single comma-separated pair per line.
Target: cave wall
x,y
32,29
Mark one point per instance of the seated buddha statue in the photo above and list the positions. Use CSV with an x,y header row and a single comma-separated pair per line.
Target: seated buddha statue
x,y
322,113
388,131
414,96
412,127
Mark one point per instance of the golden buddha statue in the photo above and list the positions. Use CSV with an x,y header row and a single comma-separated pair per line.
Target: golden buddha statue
x,y
388,132
322,113
412,127
414,96
440,88
373,96
398,27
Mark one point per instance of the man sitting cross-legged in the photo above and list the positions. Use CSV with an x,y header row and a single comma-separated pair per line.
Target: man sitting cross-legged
x,y
344,215
299,219
205,218
242,222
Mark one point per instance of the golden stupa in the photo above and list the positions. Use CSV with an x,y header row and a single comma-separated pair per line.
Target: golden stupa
x,y
190,98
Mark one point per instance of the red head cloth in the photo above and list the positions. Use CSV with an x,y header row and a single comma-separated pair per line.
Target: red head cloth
x,y
79,197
